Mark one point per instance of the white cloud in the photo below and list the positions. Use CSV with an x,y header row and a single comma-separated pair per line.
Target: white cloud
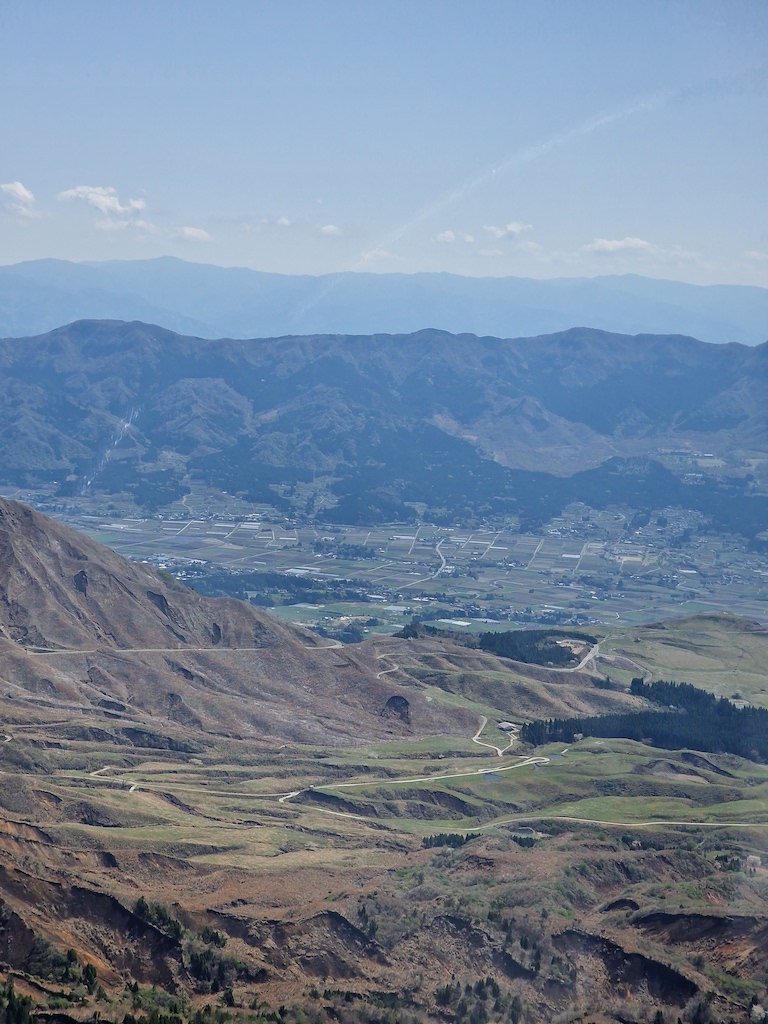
x,y
631,246
491,252
104,198
757,256
330,230
195,235
18,192
528,246
445,236
469,239
378,254
283,222
116,215
627,244
125,215
510,230
122,224
112,225
20,199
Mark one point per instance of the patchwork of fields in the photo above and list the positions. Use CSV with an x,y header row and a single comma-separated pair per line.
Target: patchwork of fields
x,y
587,567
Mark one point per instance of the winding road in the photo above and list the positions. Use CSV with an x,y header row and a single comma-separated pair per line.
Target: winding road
x,y
534,759
433,575
491,746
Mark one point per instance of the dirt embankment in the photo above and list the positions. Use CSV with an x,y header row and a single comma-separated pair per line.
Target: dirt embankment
x,y
737,942
631,974
94,923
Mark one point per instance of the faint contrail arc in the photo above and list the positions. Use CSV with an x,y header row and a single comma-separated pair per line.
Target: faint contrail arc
x,y
518,159
521,157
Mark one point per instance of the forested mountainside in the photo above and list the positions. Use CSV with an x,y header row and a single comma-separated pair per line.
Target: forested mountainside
x,y
461,424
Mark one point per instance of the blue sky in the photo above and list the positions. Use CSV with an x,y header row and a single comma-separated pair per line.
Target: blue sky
x,y
543,139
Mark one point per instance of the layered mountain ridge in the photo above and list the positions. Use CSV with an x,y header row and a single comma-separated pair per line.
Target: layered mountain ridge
x,y
211,301
106,406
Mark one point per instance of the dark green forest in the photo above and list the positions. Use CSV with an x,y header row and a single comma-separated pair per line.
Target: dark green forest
x,y
268,589
533,646
693,719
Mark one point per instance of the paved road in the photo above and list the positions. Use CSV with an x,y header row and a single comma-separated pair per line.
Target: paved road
x,y
590,656
332,645
443,562
525,760
538,549
617,824
432,575
287,796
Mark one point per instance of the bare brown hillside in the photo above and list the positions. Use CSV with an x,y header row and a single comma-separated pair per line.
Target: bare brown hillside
x,y
83,628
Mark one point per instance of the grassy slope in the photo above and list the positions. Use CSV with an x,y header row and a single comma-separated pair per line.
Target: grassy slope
x,y
210,829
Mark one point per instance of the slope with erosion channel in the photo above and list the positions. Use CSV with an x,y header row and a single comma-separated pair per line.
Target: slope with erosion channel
x,y
515,690
83,629
576,916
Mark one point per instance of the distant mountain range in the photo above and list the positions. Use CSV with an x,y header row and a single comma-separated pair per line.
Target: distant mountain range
x,y
360,429
211,302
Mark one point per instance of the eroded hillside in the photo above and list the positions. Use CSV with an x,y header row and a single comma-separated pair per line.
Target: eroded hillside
x,y
198,831
84,629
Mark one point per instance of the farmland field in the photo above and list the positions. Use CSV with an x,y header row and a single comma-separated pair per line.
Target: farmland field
x,y
587,567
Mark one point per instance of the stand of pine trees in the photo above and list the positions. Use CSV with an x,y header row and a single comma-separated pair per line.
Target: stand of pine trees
x,y
693,719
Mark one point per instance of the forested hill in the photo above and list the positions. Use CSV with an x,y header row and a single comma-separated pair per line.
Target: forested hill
x,y
465,425
693,719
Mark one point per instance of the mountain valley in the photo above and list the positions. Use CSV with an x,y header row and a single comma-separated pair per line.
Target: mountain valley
x,y
383,513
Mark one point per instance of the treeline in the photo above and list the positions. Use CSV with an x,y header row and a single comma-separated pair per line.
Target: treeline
x,y
674,695
342,550
533,646
14,1009
452,839
695,719
152,489
369,508
530,646
159,916
211,971
272,588
455,483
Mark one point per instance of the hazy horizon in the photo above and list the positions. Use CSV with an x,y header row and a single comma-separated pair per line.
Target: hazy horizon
x,y
381,271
